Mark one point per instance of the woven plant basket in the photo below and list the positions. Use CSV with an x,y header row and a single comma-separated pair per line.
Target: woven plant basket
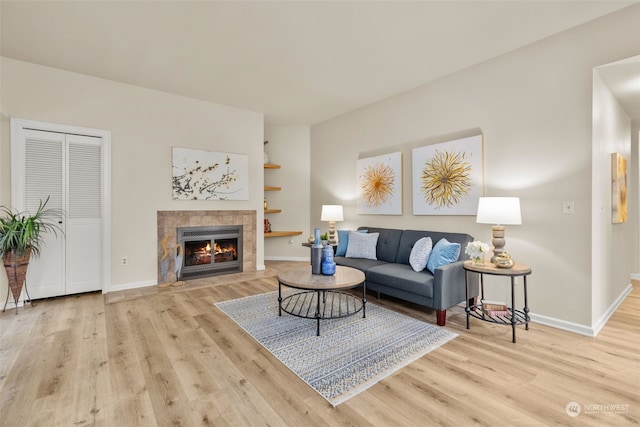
x,y
16,267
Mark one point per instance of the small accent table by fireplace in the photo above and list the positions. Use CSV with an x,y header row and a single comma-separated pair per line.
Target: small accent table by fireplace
x,y
321,297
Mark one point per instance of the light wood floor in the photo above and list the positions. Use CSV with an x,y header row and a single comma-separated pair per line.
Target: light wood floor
x,y
164,357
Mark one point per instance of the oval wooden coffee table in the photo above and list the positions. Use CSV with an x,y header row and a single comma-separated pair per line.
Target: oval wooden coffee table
x,y
321,297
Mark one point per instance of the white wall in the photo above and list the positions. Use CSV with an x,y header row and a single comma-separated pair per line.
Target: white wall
x,y
288,147
634,199
144,125
533,106
611,243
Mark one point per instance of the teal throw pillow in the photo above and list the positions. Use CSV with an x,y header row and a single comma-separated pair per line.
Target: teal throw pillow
x,y
343,241
444,252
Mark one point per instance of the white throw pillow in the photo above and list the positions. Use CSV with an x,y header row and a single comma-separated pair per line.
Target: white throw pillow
x,y
420,253
362,245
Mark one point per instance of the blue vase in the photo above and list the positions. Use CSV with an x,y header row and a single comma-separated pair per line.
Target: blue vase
x,y
328,265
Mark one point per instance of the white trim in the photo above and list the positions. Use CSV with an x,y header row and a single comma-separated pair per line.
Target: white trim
x,y
134,285
612,309
635,276
260,267
17,130
576,328
589,331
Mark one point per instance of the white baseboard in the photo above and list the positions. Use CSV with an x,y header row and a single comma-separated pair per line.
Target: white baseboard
x,y
12,305
126,286
635,276
576,328
260,267
590,331
612,309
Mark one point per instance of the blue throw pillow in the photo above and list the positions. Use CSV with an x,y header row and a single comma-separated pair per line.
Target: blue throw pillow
x,y
444,252
343,241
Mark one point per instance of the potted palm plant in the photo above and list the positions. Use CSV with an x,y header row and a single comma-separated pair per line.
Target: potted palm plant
x,y
22,235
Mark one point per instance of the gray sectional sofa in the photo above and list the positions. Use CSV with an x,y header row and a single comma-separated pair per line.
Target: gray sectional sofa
x,y
391,274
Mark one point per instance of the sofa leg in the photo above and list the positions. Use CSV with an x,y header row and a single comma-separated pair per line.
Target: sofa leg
x,y
441,317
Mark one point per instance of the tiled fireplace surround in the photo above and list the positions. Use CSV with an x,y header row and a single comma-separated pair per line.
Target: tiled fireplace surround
x,y
169,221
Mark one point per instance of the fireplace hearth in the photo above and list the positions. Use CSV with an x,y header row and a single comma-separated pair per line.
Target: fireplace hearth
x,y
210,250
168,223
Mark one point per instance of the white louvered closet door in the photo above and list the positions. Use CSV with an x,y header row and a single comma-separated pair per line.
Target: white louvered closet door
x,y
67,169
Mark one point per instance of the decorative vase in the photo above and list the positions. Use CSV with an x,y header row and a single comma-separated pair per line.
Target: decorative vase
x,y
316,259
479,261
16,267
328,265
504,260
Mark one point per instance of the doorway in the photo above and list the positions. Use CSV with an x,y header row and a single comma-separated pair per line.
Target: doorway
x,y
70,166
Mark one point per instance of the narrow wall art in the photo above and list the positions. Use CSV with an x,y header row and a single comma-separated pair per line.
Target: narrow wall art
x,y
618,188
209,175
379,181
447,178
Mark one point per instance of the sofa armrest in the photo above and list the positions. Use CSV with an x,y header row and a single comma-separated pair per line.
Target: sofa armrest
x,y
448,285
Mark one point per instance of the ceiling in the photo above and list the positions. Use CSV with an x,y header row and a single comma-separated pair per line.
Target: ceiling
x,y
299,62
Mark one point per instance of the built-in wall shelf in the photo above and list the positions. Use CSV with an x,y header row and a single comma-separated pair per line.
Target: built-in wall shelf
x,y
273,211
282,233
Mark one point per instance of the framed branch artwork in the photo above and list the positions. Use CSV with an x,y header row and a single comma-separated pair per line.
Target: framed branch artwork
x,y
447,178
379,181
209,175
618,188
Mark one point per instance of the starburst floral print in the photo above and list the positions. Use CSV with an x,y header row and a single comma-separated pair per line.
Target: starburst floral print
x,y
377,184
446,179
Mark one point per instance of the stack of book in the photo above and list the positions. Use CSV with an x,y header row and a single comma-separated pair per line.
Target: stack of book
x,y
495,308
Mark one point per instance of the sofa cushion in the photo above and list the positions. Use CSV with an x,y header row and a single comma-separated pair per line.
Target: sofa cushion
x,y
388,241
444,252
420,253
402,276
359,263
362,245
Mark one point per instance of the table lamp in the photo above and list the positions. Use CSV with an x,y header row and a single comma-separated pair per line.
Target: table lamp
x,y
332,213
499,211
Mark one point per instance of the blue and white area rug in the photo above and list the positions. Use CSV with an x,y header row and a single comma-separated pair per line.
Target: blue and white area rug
x,y
349,356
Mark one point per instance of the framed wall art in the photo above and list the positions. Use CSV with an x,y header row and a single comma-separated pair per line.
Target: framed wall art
x,y
447,178
618,188
379,181
209,175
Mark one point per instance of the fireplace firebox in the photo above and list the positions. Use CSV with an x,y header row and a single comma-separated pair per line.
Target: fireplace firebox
x,y
210,251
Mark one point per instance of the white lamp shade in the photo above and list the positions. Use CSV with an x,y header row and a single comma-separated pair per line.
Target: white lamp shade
x,y
499,210
331,213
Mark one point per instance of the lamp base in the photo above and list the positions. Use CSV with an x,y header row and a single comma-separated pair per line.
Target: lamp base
x,y
498,242
332,233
